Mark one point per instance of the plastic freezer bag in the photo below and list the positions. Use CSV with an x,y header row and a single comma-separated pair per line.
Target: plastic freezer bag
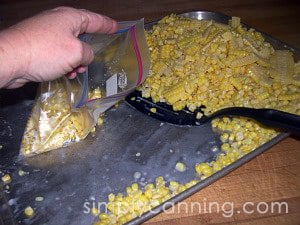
x,y
66,111
121,63
52,124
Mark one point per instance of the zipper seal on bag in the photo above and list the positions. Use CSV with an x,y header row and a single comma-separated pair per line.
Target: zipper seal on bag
x,y
125,26
137,54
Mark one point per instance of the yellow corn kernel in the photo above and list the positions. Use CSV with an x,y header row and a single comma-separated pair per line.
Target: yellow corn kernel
x,y
175,94
149,187
148,194
181,167
289,97
111,197
29,212
224,137
191,183
100,121
203,168
235,22
216,166
225,147
6,179
199,115
94,212
177,106
263,96
174,186
160,181
134,187
153,110
129,190
166,51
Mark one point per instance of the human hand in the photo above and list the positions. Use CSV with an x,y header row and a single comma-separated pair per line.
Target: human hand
x,y
46,46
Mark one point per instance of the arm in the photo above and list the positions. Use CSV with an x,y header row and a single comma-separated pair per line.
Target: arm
x,y
46,46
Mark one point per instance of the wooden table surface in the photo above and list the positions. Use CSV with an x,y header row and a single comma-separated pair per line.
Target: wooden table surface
x,y
271,177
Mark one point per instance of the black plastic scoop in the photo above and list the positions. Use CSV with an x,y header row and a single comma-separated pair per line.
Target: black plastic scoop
x,y
164,112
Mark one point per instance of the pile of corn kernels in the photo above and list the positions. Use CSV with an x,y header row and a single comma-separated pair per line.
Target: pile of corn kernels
x,y
196,63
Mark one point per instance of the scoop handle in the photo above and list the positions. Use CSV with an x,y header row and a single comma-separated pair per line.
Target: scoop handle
x,y
269,117
287,121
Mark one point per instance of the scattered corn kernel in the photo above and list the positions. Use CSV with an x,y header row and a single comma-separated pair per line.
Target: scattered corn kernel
x,y
181,167
22,173
93,130
29,212
153,110
39,198
94,212
100,121
199,115
94,94
137,175
6,179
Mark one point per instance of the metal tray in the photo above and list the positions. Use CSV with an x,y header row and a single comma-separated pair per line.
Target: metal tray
x,y
90,170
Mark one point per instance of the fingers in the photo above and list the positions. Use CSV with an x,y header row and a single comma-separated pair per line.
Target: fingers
x,y
73,74
96,23
87,54
71,22
16,83
87,21
81,69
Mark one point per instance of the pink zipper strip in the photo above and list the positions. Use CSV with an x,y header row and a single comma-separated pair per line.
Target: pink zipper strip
x,y
137,54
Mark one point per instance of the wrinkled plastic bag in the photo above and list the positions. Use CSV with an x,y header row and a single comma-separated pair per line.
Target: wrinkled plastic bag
x,y
121,64
66,111
52,124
